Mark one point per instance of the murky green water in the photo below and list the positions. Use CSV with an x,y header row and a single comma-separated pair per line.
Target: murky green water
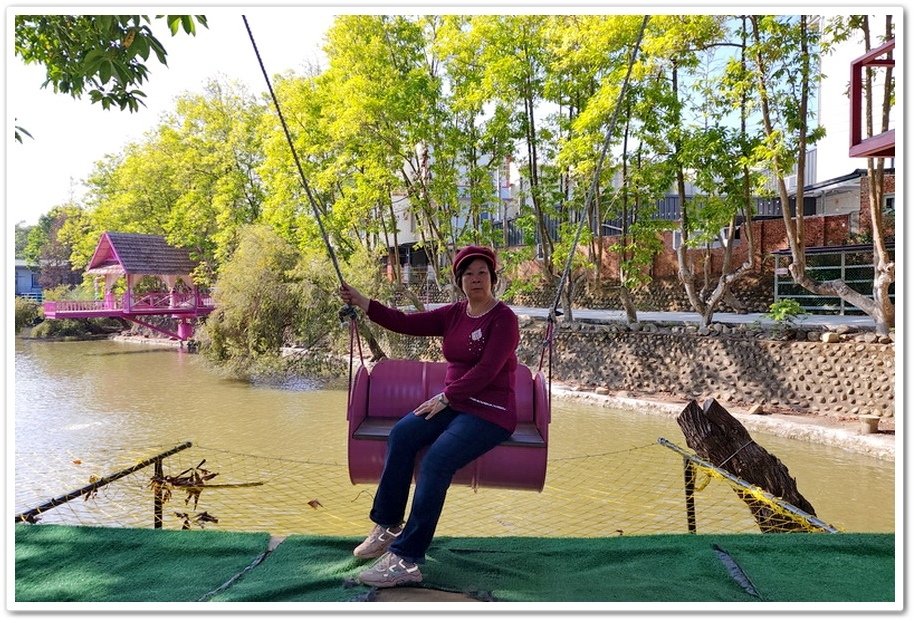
x,y
88,409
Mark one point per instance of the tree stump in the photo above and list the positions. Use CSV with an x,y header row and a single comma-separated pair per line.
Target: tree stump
x,y
716,436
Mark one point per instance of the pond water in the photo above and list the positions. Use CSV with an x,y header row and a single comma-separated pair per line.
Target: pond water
x,y
84,410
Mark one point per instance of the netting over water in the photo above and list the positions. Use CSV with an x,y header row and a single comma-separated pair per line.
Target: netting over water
x,y
637,491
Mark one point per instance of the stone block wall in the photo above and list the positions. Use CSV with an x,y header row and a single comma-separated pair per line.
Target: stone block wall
x,y
755,292
839,380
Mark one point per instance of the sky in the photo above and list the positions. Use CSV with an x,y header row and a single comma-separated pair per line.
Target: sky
x,y
70,135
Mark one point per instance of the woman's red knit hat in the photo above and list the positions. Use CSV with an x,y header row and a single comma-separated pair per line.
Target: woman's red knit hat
x,y
468,253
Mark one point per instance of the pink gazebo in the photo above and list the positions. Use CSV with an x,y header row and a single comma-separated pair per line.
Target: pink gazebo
x,y
134,256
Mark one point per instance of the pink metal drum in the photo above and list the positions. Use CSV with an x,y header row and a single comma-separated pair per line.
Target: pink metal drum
x,y
393,388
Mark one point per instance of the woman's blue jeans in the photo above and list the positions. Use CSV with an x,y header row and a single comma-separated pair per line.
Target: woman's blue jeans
x,y
454,439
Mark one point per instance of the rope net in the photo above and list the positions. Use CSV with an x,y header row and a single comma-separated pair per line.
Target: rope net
x,y
636,491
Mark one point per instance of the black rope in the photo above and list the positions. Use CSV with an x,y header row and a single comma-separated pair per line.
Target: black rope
x,y
308,191
593,188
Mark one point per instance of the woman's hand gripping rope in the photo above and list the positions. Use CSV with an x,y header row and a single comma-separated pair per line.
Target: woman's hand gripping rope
x,y
351,296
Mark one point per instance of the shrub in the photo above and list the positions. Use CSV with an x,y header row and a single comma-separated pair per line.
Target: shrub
x,y
785,310
77,327
256,309
28,313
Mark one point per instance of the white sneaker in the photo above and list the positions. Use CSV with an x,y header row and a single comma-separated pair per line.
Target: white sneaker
x,y
377,542
391,570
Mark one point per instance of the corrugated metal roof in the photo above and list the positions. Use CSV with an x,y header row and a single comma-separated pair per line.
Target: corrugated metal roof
x,y
144,254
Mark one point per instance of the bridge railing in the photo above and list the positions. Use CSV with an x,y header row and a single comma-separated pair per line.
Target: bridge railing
x,y
186,301
75,306
157,300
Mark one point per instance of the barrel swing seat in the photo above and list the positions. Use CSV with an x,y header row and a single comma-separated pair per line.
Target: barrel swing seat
x,y
392,388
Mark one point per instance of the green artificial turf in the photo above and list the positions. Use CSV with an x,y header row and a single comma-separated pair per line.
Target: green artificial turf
x,y
303,569
55,563
74,563
669,568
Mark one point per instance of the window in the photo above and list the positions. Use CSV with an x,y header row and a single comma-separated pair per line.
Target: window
x,y
716,243
888,208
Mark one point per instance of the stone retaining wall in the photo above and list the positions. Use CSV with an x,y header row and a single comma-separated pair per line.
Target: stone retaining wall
x,y
837,380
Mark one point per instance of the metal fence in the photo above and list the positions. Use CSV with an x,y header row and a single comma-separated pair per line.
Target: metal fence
x,y
853,265
31,296
667,209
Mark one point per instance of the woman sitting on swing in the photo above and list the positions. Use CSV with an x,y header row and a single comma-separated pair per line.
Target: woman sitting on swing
x,y
475,413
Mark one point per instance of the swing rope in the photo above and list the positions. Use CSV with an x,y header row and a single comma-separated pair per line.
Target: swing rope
x,y
553,312
349,312
305,184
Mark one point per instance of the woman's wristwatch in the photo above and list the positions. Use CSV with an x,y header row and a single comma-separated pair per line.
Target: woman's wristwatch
x,y
441,397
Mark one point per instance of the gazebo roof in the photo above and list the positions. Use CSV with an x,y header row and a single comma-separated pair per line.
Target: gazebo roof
x,y
139,254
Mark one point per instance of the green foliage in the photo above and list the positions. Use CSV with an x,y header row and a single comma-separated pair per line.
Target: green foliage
x,y
194,179
524,282
77,328
785,310
21,239
637,250
567,235
27,313
270,295
257,312
83,292
103,56
47,248
782,74
420,111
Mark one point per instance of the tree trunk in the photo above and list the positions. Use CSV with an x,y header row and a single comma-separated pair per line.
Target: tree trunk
x,y
566,296
715,435
880,311
374,347
628,306
730,299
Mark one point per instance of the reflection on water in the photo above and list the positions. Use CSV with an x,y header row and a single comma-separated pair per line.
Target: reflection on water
x,y
91,408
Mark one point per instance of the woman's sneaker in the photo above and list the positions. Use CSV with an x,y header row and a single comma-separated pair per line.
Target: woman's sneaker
x,y
391,570
377,542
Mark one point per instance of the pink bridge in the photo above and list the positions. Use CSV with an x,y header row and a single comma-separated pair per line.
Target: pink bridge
x,y
133,257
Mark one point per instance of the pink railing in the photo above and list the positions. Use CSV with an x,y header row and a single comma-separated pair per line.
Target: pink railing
x,y
185,301
158,300
75,306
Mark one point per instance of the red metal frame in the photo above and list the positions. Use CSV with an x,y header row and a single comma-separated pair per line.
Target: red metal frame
x,y
880,145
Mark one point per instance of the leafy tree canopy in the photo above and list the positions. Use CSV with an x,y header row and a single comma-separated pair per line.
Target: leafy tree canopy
x,y
103,56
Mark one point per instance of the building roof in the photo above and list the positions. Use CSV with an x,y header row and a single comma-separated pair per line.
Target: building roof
x,y
840,248
139,254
